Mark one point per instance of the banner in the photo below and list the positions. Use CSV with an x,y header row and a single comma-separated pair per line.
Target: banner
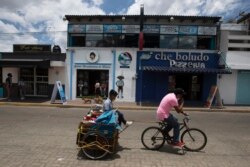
x,y
214,94
58,88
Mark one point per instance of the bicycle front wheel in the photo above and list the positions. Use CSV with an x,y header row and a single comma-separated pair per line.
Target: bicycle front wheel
x,y
152,138
194,139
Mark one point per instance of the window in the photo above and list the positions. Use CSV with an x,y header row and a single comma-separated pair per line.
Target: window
x,y
151,40
131,40
113,40
169,41
77,40
94,40
36,81
187,42
206,42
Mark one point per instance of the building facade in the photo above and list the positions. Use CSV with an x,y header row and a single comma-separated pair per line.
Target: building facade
x,y
37,65
143,56
235,47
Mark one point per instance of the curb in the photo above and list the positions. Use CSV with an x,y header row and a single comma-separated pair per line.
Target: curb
x,y
225,109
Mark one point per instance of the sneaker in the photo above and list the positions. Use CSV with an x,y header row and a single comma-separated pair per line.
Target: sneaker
x,y
178,144
128,123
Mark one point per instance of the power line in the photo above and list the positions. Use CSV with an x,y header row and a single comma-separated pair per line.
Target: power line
x,y
30,32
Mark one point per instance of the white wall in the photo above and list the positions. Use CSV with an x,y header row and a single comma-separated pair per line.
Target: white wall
x,y
106,55
227,87
13,71
57,74
238,59
128,73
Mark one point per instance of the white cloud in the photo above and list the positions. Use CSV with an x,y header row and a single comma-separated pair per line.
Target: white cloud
x,y
98,2
39,16
186,7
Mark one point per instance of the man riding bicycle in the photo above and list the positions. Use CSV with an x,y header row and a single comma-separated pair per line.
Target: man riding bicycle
x,y
172,100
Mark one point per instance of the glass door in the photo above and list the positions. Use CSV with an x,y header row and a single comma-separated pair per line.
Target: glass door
x,y
41,80
36,81
27,74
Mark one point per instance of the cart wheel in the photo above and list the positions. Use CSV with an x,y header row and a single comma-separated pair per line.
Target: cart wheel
x,y
95,145
80,135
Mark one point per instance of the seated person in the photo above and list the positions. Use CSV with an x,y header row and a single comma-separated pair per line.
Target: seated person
x,y
108,105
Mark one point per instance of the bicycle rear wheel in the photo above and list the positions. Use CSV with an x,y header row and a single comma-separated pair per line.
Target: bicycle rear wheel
x,y
152,138
96,146
194,139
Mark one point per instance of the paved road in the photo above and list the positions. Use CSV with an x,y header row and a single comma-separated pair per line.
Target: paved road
x,y
45,137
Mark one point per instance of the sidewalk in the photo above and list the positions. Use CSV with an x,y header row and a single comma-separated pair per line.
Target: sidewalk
x,y
78,103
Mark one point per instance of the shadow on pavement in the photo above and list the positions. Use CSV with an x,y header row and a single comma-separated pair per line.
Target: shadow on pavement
x,y
109,157
26,100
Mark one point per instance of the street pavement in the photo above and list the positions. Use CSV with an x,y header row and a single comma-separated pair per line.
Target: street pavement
x,y
41,136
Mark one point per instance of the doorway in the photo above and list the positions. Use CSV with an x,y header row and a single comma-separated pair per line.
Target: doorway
x,y
191,83
86,80
36,81
243,91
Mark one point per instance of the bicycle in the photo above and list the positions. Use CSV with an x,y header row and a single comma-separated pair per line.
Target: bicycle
x,y
153,138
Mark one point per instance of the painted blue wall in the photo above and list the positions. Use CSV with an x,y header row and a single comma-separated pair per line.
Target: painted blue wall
x,y
154,86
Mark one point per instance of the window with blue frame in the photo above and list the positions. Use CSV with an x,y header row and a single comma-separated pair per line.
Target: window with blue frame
x,y
187,42
187,37
113,40
206,42
151,40
130,40
76,40
169,41
94,40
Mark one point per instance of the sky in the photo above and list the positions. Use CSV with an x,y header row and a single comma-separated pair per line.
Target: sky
x,y
41,21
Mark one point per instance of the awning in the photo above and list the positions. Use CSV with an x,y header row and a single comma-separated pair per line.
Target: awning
x,y
186,70
24,63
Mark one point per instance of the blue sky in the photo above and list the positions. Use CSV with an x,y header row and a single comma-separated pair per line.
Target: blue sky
x,y
116,6
41,22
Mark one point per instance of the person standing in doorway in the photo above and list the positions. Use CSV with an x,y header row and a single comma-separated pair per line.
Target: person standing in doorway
x,y
21,86
97,88
8,86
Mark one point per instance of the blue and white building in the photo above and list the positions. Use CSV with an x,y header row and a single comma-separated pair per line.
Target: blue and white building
x,y
175,51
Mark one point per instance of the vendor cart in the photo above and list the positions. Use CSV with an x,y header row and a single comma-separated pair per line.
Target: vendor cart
x,y
97,139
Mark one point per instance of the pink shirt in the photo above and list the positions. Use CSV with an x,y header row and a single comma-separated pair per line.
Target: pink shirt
x,y
167,103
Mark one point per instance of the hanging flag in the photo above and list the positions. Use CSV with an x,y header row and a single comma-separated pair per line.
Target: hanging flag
x,y
141,41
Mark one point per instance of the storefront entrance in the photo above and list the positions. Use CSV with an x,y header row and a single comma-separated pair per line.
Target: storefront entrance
x,y
36,81
191,83
86,80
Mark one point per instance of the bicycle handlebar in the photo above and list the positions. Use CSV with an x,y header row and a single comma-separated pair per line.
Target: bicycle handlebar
x,y
186,118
